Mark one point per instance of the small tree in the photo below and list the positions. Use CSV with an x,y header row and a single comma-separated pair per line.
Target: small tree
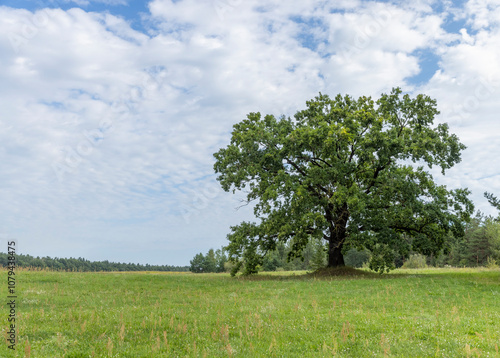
x,y
415,261
357,258
340,172
271,261
210,263
478,247
220,259
197,263
493,233
319,254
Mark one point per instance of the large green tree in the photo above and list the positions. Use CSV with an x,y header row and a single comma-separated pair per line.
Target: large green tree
x,y
351,172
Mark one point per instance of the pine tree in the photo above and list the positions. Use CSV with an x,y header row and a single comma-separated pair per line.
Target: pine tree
x,y
318,259
210,263
197,263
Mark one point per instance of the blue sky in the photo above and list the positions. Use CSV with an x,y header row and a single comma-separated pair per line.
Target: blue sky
x,y
112,109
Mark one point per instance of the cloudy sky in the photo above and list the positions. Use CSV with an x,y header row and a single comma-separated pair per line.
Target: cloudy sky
x,y
111,109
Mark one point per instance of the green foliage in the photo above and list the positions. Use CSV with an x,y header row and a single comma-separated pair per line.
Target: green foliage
x,y
477,247
197,263
220,260
491,263
210,264
339,172
382,258
313,257
493,200
228,266
213,261
272,261
493,233
481,241
318,259
357,258
415,261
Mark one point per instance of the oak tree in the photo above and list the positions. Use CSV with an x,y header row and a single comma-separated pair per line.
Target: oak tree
x,y
353,172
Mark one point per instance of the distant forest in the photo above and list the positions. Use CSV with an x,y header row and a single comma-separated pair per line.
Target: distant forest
x,y
83,265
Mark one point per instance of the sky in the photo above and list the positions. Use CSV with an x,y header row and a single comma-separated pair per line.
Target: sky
x,y
111,110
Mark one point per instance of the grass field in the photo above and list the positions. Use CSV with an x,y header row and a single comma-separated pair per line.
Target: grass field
x,y
407,313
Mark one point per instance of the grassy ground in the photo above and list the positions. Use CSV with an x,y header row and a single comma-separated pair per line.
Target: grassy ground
x,y
408,313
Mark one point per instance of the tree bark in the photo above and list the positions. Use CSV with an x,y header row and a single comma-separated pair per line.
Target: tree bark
x,y
335,257
338,231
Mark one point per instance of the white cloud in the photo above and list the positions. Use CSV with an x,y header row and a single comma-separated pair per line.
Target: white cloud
x,y
129,121
467,88
85,3
483,13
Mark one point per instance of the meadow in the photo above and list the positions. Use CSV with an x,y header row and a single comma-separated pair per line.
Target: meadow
x,y
407,313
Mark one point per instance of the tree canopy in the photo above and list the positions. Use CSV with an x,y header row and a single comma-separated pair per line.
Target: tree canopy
x,y
351,172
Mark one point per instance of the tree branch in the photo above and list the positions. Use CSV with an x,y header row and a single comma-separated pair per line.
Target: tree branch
x,y
305,175
375,176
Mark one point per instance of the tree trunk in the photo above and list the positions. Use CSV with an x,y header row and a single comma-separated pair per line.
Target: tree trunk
x,y
338,230
335,257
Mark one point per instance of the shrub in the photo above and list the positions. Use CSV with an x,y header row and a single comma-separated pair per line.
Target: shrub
x,y
228,266
491,263
415,261
357,258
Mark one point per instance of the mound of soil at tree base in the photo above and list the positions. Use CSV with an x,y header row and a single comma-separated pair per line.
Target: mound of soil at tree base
x,y
343,271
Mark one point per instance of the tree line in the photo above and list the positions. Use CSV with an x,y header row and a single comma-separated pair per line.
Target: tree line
x,y
83,265
480,246
314,257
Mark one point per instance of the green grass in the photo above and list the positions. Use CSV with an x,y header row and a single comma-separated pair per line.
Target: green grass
x,y
407,313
